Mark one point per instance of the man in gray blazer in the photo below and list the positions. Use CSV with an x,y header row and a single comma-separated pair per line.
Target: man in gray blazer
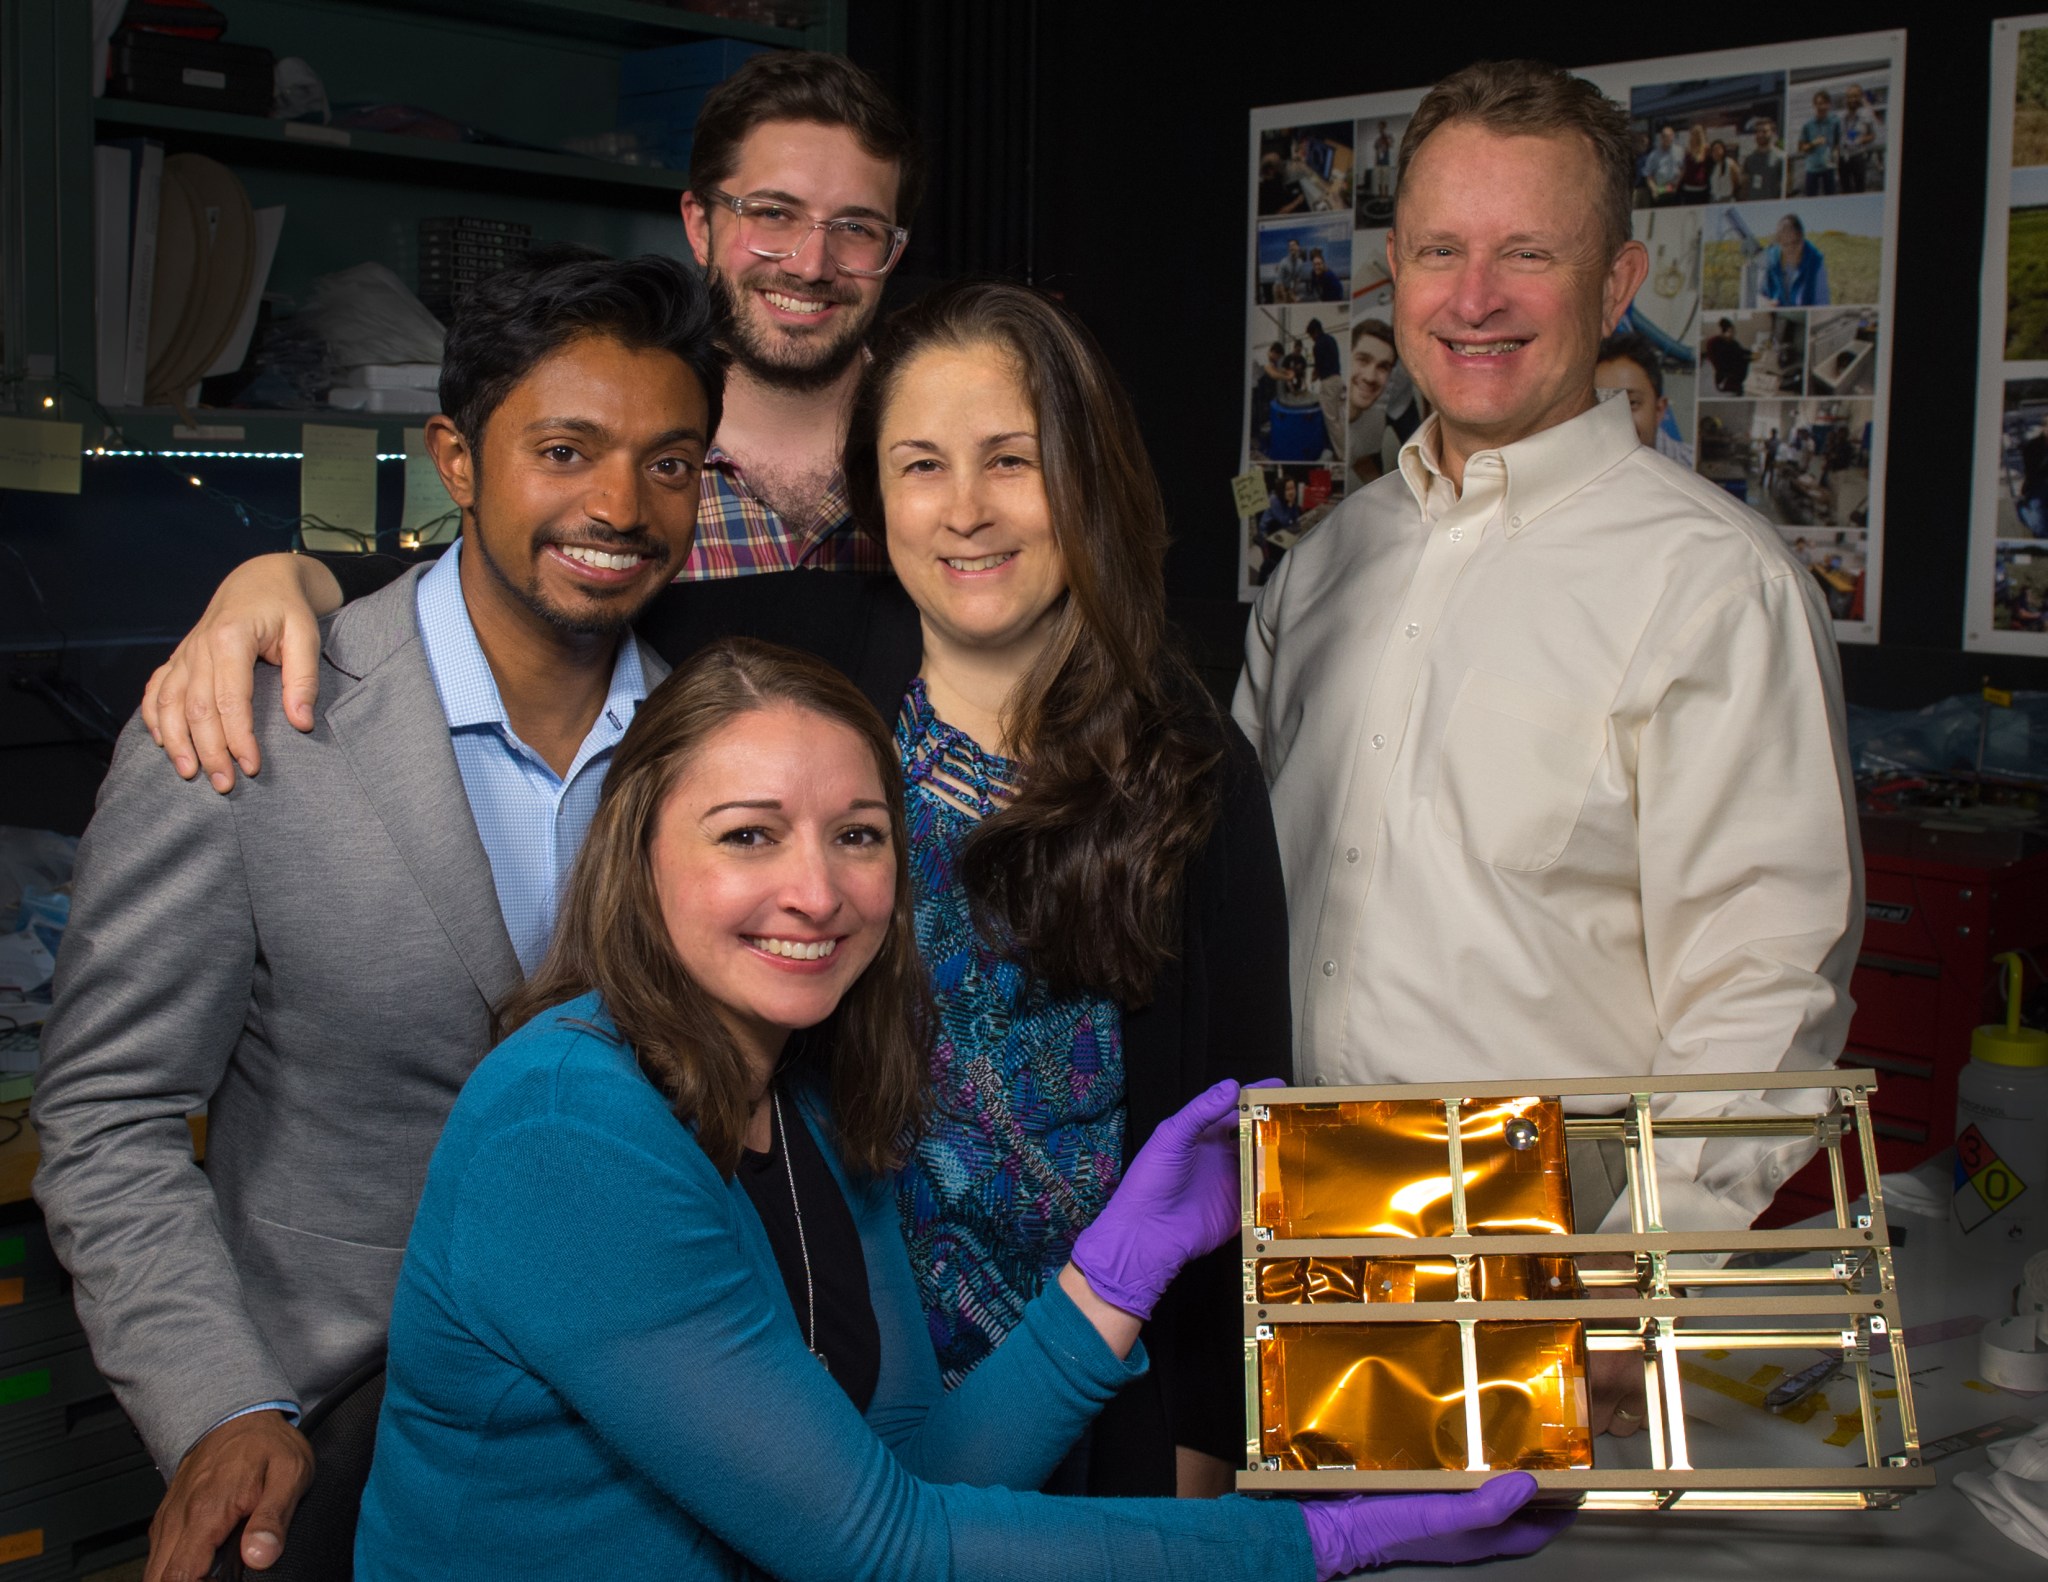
x,y
314,957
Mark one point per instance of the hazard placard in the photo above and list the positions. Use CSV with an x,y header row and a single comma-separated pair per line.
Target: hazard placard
x,y
1985,1183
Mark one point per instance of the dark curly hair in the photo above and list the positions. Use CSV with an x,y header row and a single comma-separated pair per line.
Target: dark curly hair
x,y
515,319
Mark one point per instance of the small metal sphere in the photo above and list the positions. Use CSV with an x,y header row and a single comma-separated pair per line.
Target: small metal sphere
x,y
1521,1133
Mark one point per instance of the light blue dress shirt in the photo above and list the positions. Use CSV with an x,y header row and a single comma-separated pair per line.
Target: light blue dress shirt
x,y
532,820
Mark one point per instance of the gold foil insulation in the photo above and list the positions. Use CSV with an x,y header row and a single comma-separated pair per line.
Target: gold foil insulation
x,y
1413,1279
1383,1169
1391,1397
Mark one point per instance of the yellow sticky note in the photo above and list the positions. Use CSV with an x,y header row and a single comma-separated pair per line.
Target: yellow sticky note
x,y
338,484
24,1545
1999,696
40,456
1249,488
428,510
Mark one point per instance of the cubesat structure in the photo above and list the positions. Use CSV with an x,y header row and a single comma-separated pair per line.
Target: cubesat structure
x,y
1419,1308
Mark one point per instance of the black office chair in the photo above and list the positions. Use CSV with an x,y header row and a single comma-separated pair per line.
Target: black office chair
x,y
320,1545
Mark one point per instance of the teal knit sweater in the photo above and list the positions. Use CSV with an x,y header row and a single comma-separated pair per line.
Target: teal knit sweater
x,y
595,1371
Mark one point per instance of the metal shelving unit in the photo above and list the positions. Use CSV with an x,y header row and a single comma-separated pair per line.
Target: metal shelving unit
x,y
533,70
254,136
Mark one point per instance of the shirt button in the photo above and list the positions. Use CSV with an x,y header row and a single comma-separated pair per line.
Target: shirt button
x,y
1378,742
1351,855
1514,521
1329,969
1456,534
1412,629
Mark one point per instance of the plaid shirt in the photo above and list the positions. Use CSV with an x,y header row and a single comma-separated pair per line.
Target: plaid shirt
x,y
739,533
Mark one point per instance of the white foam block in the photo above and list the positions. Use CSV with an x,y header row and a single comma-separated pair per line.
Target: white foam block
x,y
2010,1354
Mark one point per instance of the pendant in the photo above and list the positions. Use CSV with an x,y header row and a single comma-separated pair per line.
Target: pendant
x,y
821,1358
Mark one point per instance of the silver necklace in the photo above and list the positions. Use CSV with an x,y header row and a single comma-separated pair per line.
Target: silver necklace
x,y
803,1245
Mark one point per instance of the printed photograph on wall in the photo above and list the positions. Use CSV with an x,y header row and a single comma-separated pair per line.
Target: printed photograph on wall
x,y
1756,351
2026,267
2019,594
1372,282
1297,498
2023,461
2030,93
1297,369
1838,562
1710,140
1382,408
1837,117
1378,153
1305,260
1798,464
1841,352
2006,607
1766,351
1660,396
1664,317
1305,169
1794,253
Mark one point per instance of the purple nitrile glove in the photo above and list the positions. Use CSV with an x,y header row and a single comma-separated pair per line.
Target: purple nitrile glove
x,y
1348,1535
1177,1201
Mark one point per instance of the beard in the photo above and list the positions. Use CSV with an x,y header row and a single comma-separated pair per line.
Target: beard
x,y
602,617
795,362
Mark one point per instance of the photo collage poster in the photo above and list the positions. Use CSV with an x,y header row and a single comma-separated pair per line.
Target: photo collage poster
x,y
1758,350
2006,608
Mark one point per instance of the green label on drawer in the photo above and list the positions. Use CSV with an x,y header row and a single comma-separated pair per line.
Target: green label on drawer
x,y
24,1386
13,1250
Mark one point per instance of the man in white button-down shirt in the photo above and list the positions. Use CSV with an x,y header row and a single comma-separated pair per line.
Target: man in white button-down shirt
x,y
1553,727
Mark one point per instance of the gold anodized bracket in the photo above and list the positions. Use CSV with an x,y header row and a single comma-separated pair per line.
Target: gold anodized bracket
x,y
1848,1301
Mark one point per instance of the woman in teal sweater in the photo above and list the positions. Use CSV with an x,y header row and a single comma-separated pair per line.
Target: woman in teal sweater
x,y
656,1317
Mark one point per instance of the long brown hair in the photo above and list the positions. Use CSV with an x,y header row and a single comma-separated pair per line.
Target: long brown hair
x,y
1081,873
611,936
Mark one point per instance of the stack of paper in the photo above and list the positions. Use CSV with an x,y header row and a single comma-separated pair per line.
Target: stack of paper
x,y
388,387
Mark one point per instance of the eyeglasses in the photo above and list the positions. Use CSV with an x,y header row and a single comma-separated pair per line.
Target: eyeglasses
x,y
770,228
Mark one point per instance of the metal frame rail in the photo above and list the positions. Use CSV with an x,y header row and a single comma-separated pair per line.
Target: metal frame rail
x,y
1655,1310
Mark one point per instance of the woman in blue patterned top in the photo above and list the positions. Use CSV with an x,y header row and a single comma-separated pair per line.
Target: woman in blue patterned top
x,y
1097,886
1065,770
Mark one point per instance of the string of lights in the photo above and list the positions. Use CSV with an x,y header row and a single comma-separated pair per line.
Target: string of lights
x,y
115,445
78,704
95,451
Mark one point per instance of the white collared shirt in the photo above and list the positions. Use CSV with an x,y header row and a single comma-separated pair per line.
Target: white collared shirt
x,y
1557,763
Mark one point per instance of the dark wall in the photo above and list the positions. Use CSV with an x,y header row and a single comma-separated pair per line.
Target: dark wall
x,y
94,590
1101,150
1140,224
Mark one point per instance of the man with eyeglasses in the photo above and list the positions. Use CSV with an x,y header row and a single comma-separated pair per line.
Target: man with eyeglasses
x,y
802,176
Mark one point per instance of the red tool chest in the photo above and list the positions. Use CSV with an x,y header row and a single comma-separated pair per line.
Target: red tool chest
x,y
1944,894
